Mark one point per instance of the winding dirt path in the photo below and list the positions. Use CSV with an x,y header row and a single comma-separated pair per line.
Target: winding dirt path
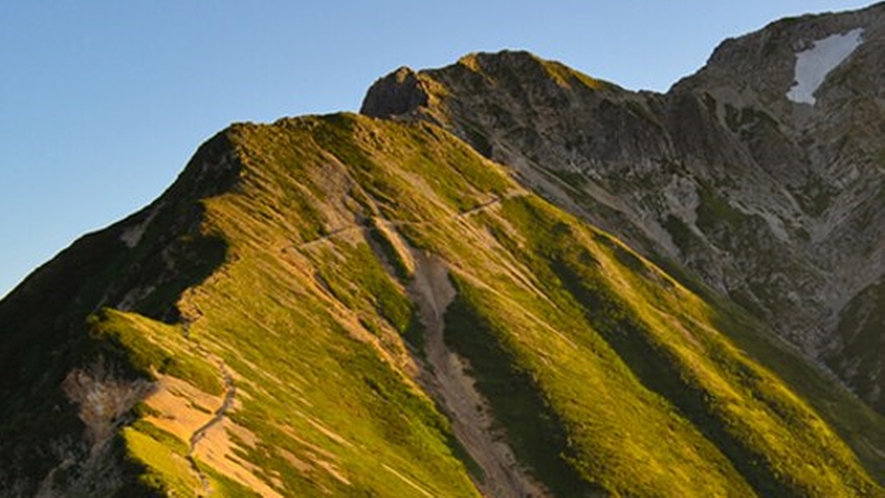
x,y
454,389
397,223
200,433
446,378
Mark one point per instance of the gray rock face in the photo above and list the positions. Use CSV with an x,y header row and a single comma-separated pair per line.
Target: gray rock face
x,y
777,204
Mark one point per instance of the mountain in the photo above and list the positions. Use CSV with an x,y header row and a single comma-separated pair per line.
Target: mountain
x,y
771,198
504,278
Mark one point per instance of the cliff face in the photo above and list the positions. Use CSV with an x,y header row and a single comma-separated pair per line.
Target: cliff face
x,y
762,173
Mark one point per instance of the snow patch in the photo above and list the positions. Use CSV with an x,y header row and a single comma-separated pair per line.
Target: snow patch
x,y
813,65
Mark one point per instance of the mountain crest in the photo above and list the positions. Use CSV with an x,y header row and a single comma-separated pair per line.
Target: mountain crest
x,y
400,92
505,278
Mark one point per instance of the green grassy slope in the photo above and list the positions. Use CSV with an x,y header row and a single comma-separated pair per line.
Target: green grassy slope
x,y
291,365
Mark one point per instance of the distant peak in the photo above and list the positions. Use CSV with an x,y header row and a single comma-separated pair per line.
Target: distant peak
x,y
397,93
405,91
499,56
504,60
403,73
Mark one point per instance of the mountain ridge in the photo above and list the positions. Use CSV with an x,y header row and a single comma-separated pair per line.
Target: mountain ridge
x,y
348,305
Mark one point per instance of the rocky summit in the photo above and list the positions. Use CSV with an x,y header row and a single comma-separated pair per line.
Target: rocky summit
x,y
502,278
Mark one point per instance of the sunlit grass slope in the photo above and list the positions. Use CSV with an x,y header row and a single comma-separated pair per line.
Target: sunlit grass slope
x,y
300,352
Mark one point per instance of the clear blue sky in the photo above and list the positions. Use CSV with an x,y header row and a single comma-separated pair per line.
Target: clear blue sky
x,y
103,102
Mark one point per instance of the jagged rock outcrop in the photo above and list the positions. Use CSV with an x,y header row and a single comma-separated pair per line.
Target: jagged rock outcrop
x,y
774,202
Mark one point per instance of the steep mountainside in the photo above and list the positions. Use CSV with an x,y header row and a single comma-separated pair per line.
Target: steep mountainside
x,y
350,305
762,173
363,307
